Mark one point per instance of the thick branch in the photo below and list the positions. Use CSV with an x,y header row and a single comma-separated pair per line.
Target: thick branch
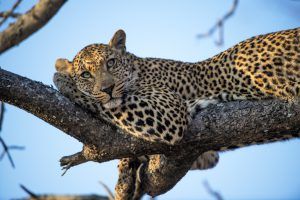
x,y
227,124
51,106
29,23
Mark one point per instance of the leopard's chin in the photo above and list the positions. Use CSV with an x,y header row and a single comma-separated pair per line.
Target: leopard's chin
x,y
102,97
113,103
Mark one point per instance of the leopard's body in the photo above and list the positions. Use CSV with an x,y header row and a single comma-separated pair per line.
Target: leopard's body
x,y
155,99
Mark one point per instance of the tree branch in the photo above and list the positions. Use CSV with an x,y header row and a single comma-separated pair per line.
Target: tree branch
x,y
6,151
212,192
224,125
2,109
29,23
9,13
6,148
219,25
33,196
13,15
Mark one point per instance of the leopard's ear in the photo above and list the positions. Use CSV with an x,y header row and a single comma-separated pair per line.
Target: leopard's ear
x,y
118,40
63,65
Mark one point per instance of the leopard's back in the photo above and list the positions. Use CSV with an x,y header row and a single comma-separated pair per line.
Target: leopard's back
x,y
266,66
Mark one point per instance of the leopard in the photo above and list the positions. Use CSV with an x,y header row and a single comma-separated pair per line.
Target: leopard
x,y
155,98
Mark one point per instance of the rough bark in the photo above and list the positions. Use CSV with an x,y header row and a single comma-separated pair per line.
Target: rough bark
x,y
29,23
226,124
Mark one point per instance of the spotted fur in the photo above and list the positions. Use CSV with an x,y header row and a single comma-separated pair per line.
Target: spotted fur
x,y
155,98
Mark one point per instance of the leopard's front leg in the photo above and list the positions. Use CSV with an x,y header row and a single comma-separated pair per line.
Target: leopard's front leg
x,y
151,113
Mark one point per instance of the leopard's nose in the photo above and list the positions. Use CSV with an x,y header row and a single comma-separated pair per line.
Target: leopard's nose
x,y
109,89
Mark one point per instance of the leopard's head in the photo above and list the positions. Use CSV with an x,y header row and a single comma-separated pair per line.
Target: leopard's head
x,y
101,71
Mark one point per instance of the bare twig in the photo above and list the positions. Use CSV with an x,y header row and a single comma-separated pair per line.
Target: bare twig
x,y
6,150
13,15
219,25
9,13
2,109
29,23
212,192
33,196
73,160
30,193
109,192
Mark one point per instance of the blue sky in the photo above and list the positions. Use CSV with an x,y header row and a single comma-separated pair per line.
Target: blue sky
x,y
155,28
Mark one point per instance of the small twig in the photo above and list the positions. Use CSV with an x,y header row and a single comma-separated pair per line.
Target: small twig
x,y
2,155
14,147
9,13
5,147
66,168
33,196
220,25
109,192
30,193
2,109
6,151
213,193
13,15
67,162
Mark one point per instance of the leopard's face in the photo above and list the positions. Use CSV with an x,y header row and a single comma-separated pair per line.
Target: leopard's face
x,y
102,72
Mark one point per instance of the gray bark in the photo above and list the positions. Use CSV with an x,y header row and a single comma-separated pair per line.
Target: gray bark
x,y
223,125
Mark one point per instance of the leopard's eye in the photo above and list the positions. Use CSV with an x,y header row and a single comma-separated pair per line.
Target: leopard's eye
x,y
86,74
110,62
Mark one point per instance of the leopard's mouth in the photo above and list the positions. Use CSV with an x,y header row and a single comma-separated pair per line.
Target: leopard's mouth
x,y
113,102
105,97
